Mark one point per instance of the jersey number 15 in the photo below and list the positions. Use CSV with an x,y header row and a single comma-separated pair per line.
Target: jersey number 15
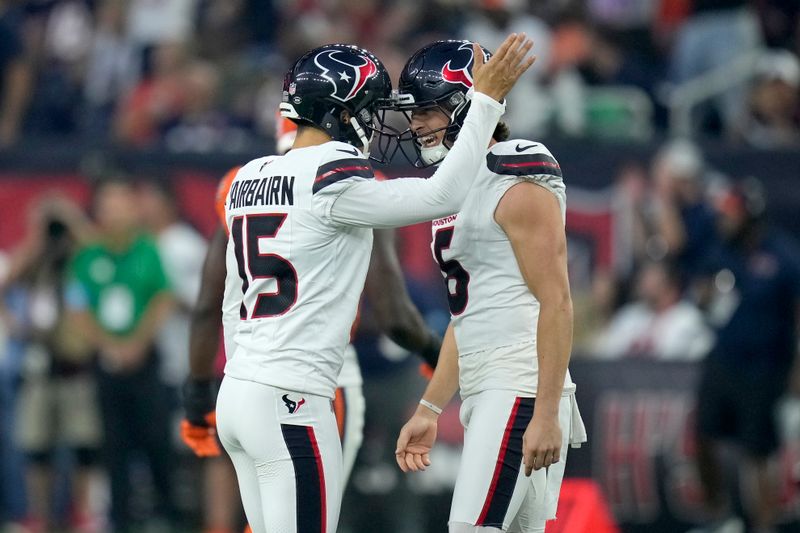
x,y
250,229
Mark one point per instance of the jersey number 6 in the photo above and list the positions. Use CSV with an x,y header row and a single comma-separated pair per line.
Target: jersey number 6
x,y
457,296
251,229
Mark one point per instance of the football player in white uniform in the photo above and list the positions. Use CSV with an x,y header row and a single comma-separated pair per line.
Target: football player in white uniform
x,y
300,239
393,311
503,256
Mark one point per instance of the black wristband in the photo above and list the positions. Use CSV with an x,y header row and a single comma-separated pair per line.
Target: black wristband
x,y
199,399
430,352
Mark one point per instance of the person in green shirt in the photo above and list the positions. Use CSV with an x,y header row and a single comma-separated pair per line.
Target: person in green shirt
x,y
119,296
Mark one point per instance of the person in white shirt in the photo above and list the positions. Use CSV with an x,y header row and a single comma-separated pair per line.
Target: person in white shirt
x,y
182,250
659,324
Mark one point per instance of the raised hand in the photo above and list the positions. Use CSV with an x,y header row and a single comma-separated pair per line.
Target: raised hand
x,y
496,77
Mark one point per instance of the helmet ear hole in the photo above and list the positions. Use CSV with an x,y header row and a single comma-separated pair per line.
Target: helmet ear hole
x,y
344,116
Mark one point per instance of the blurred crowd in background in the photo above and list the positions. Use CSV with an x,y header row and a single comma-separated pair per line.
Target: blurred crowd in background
x,y
205,76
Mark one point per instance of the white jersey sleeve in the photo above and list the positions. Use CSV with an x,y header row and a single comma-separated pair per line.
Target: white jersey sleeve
x,y
341,167
517,161
404,201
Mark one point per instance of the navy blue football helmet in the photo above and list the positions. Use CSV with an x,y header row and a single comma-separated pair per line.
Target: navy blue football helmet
x,y
332,79
437,75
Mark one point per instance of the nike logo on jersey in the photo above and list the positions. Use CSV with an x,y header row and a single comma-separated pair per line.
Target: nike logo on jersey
x,y
523,148
354,152
292,405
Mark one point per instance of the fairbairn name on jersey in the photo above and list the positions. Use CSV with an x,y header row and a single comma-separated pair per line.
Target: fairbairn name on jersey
x,y
270,190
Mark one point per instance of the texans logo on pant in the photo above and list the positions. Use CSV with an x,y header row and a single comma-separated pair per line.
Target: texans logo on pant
x,y
457,70
292,405
347,78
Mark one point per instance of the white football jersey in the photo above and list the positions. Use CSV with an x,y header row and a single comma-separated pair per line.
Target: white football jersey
x,y
494,313
298,275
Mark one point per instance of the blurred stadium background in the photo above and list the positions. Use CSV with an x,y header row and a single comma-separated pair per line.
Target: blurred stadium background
x,y
652,107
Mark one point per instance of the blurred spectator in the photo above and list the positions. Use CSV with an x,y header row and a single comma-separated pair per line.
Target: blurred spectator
x,y
87,54
632,202
182,252
752,290
529,103
683,220
59,34
201,126
112,66
608,63
716,34
16,73
659,323
593,310
780,22
12,500
120,295
226,27
155,100
773,117
57,403
631,26
152,23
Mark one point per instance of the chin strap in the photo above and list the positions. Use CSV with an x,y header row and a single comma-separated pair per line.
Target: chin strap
x,y
331,126
362,136
433,155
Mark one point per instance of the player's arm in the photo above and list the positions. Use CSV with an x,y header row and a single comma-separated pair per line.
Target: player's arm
x,y
418,435
531,217
394,311
404,201
199,394
206,316
401,202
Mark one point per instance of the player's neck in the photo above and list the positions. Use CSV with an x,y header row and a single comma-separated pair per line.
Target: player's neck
x,y
310,137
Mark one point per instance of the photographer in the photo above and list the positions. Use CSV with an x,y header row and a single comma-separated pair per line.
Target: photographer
x,y
57,401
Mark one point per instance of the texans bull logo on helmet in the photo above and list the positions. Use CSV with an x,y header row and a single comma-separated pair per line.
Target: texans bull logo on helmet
x,y
456,70
347,78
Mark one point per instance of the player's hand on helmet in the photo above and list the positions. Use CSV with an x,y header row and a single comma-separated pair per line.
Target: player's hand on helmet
x,y
416,440
541,443
199,427
496,77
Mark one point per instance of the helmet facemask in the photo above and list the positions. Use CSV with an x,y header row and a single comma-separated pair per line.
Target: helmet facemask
x,y
359,129
454,106
373,128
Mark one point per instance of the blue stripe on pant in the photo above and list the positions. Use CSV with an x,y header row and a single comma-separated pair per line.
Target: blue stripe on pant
x,y
309,478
